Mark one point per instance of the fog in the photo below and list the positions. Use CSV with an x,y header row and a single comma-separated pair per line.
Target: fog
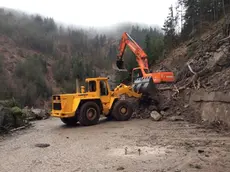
x,y
102,14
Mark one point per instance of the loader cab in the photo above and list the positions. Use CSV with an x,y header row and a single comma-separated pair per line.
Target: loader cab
x,y
104,93
98,86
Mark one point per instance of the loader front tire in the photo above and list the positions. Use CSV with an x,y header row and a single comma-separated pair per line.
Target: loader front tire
x,y
122,110
89,114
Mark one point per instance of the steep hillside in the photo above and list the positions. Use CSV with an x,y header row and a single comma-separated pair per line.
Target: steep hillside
x,y
202,69
39,58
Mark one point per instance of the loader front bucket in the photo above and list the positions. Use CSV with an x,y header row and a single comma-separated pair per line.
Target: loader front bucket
x,y
120,66
145,86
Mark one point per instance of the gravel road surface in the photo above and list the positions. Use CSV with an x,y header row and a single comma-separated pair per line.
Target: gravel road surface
x,y
131,146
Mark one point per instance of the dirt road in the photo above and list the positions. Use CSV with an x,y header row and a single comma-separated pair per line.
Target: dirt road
x,y
164,146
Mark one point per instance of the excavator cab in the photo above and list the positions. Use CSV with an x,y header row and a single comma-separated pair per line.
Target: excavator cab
x,y
136,73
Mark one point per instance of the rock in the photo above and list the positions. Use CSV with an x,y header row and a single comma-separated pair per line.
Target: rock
x,y
178,113
40,113
163,113
146,113
35,114
186,106
134,114
120,168
29,115
152,108
42,145
176,118
200,151
226,83
155,116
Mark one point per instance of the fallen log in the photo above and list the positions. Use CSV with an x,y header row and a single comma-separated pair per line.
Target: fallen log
x,y
19,128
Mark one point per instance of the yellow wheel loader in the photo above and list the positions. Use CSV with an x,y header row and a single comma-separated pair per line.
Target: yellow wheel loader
x,y
93,100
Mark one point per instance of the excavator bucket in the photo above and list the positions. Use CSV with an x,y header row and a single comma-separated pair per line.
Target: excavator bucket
x,y
145,86
120,66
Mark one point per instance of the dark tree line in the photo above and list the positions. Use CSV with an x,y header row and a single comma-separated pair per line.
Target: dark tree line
x,y
192,16
71,51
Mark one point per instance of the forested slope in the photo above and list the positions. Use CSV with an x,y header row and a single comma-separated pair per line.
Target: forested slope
x,y
39,57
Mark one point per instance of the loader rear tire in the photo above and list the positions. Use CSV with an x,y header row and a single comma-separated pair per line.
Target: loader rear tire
x,y
89,114
122,110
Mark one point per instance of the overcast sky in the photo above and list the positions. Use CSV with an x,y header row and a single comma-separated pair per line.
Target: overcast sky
x,y
97,13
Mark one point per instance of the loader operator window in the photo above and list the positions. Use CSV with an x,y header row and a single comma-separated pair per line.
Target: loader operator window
x,y
92,86
103,88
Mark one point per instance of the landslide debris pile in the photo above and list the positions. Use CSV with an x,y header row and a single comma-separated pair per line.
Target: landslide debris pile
x,y
201,64
12,117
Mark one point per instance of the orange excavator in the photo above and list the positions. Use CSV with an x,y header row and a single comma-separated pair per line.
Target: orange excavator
x,y
143,81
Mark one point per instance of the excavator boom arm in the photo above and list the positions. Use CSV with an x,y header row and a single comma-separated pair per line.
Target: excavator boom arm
x,y
141,56
142,60
143,81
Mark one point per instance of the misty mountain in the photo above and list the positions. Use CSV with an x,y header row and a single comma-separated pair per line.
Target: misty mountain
x,y
41,57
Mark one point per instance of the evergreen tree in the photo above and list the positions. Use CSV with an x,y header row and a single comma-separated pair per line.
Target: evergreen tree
x,y
169,29
148,46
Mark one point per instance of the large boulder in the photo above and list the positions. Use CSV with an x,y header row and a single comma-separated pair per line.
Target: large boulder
x,y
156,116
40,113
35,114
29,115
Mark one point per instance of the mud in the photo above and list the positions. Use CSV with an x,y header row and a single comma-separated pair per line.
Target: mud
x,y
135,145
